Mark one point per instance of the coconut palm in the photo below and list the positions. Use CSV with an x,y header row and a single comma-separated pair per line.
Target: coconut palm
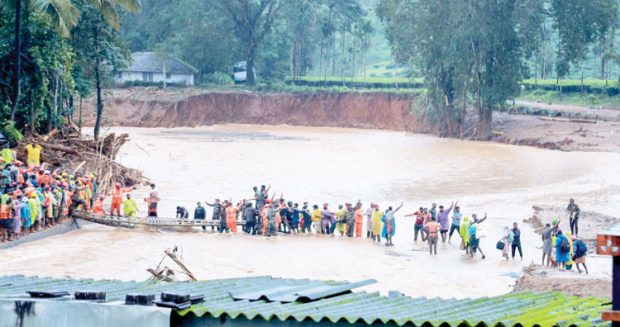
x,y
62,12
109,9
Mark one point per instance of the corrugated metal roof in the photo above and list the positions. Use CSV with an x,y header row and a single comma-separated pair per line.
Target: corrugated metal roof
x,y
526,309
304,293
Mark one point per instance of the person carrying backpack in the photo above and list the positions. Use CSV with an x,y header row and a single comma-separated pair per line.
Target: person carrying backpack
x,y
562,247
579,257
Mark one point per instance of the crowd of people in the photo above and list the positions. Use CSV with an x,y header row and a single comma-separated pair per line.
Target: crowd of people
x,y
34,198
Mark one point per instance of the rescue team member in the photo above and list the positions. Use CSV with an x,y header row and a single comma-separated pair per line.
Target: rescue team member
x,y
98,207
117,198
359,221
231,217
130,207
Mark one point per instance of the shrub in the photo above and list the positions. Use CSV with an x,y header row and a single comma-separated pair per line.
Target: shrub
x,y
11,133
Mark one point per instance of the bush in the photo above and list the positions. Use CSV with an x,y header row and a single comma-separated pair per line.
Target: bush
x,y
11,133
217,78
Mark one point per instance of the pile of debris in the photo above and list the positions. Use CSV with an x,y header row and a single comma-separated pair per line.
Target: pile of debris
x,y
67,150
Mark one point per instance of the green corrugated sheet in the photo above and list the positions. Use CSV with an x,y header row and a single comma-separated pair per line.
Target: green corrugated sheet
x,y
526,309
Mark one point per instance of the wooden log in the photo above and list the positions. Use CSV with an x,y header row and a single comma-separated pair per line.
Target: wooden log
x,y
180,263
59,148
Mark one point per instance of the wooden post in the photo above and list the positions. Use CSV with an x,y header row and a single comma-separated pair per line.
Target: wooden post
x,y
608,243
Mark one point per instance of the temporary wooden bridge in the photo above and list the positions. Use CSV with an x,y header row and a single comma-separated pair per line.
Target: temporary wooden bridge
x,y
153,222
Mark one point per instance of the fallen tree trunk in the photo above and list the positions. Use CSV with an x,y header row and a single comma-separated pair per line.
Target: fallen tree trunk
x,y
59,148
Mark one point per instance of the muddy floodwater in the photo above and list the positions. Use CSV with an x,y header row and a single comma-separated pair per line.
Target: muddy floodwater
x,y
335,165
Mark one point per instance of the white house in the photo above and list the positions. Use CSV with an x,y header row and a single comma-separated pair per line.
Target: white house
x,y
148,67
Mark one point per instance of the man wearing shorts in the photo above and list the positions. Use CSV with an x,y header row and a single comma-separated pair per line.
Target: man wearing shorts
x,y
433,233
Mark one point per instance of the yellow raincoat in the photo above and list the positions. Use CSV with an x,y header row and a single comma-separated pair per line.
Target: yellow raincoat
x,y
377,224
464,230
130,208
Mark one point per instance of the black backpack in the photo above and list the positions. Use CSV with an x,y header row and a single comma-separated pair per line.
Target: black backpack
x,y
564,245
580,248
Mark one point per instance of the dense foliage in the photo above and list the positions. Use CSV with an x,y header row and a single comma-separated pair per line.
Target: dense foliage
x,y
478,52
53,51
469,54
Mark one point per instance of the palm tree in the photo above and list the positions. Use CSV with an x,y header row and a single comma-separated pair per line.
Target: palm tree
x,y
109,12
63,14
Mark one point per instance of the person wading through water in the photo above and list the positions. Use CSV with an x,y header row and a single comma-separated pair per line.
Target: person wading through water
x,y
389,224
432,228
456,222
418,224
350,217
444,221
152,201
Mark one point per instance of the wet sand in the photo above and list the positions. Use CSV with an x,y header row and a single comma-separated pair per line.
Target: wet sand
x,y
334,165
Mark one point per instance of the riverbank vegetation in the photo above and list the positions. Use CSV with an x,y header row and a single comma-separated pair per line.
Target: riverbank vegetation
x,y
458,55
52,54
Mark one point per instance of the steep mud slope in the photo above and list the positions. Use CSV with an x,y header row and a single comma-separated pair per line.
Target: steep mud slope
x,y
151,108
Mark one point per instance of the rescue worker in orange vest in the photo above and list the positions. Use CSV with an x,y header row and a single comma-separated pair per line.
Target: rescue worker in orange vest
x,y
359,221
98,207
264,215
117,198
231,216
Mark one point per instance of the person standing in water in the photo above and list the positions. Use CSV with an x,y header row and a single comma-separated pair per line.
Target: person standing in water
x,y
442,218
456,222
389,224
419,223
377,225
317,219
432,228
369,213
433,211
359,220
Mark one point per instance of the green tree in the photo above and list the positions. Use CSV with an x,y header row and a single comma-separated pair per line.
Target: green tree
x,y
64,16
482,48
96,41
252,21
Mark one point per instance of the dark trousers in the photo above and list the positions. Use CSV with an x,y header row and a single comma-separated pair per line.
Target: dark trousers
x,y
516,246
350,228
250,227
574,226
76,203
454,228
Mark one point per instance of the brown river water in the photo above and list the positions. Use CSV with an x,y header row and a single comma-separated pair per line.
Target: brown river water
x,y
334,165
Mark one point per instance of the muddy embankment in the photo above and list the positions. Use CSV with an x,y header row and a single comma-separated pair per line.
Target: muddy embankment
x,y
155,108
141,107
